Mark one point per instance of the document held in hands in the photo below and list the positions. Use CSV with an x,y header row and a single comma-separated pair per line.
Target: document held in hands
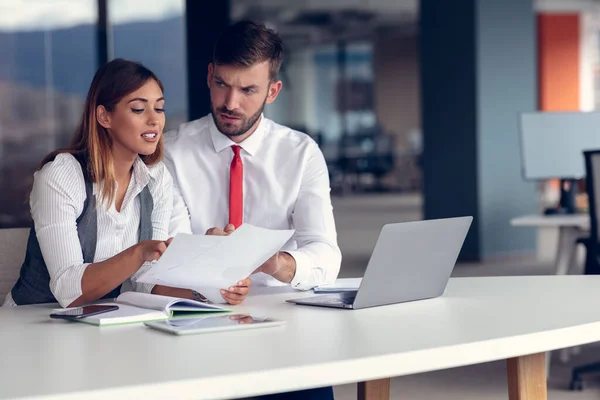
x,y
209,263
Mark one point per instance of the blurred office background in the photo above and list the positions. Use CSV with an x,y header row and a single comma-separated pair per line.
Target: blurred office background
x,y
385,90
415,105
342,84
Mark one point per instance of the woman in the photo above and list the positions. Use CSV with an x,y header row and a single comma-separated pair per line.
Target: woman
x,y
101,207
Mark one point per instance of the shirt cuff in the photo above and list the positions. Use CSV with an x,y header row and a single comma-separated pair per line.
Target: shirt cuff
x,y
144,287
301,279
68,288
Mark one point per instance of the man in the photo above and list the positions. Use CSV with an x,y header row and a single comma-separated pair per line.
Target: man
x,y
235,166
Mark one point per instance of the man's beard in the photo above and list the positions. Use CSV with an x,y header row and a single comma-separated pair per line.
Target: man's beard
x,y
230,130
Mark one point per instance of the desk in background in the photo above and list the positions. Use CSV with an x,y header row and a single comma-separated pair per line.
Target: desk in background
x,y
570,228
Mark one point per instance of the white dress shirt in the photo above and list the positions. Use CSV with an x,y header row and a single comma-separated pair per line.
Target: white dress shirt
x,y
57,200
286,186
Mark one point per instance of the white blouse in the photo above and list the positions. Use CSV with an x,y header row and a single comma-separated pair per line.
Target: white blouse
x,y
56,202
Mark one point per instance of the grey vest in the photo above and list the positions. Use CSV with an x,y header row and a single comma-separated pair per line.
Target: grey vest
x,y
33,286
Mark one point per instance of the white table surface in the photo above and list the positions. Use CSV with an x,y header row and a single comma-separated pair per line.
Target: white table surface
x,y
475,321
562,220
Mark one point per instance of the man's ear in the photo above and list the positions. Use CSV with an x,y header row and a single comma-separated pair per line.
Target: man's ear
x,y
209,76
103,117
274,89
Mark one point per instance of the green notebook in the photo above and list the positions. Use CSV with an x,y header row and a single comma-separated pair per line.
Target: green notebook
x,y
143,307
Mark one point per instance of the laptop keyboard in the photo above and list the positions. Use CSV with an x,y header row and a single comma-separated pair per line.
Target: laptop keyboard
x,y
336,299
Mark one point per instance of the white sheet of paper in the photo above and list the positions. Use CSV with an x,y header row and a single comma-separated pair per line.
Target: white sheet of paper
x,y
215,262
184,248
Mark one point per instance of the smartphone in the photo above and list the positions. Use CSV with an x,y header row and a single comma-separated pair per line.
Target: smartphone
x,y
82,312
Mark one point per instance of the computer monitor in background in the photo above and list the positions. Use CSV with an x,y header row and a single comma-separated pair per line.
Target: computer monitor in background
x,y
552,146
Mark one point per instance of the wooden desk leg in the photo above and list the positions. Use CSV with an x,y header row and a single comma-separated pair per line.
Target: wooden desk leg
x,y
527,377
374,390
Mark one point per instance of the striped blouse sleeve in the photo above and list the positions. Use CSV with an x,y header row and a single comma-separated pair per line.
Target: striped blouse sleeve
x,y
56,202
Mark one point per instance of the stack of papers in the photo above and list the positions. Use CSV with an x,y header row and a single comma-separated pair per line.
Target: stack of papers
x,y
208,264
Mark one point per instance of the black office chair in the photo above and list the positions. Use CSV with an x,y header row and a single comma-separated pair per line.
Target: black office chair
x,y
592,245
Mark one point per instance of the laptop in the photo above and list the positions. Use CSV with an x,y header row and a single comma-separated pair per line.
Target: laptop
x,y
411,261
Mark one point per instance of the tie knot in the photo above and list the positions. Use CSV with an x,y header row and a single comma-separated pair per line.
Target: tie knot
x,y
236,150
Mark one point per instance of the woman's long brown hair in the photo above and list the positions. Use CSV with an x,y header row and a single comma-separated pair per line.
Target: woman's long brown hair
x,y
92,143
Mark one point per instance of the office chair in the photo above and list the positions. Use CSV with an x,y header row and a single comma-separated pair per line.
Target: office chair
x,y
592,245
13,243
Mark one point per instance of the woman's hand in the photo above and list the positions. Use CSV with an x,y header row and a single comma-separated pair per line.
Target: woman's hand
x,y
151,250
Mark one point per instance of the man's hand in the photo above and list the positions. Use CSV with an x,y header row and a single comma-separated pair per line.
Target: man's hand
x,y
221,232
236,294
280,266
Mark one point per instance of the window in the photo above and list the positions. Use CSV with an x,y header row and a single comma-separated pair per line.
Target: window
x,y
155,35
47,61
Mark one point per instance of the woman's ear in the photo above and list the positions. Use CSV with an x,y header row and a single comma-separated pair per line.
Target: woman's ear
x,y
103,117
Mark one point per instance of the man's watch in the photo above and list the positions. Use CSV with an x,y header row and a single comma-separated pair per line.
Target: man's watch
x,y
199,297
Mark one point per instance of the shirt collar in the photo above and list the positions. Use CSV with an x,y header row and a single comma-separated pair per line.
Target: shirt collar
x,y
251,144
141,172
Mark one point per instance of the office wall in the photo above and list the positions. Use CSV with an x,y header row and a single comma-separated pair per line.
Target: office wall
x,y
559,77
506,86
448,115
478,73
559,61
204,23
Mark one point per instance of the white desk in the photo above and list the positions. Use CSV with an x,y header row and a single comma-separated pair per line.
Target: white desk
x,y
477,320
570,228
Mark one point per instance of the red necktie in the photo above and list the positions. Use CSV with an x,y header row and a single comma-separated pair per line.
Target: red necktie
x,y
236,193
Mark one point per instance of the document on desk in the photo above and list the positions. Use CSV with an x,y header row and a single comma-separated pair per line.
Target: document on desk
x,y
209,263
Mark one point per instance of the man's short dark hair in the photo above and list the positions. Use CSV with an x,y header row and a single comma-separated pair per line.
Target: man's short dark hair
x,y
247,43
